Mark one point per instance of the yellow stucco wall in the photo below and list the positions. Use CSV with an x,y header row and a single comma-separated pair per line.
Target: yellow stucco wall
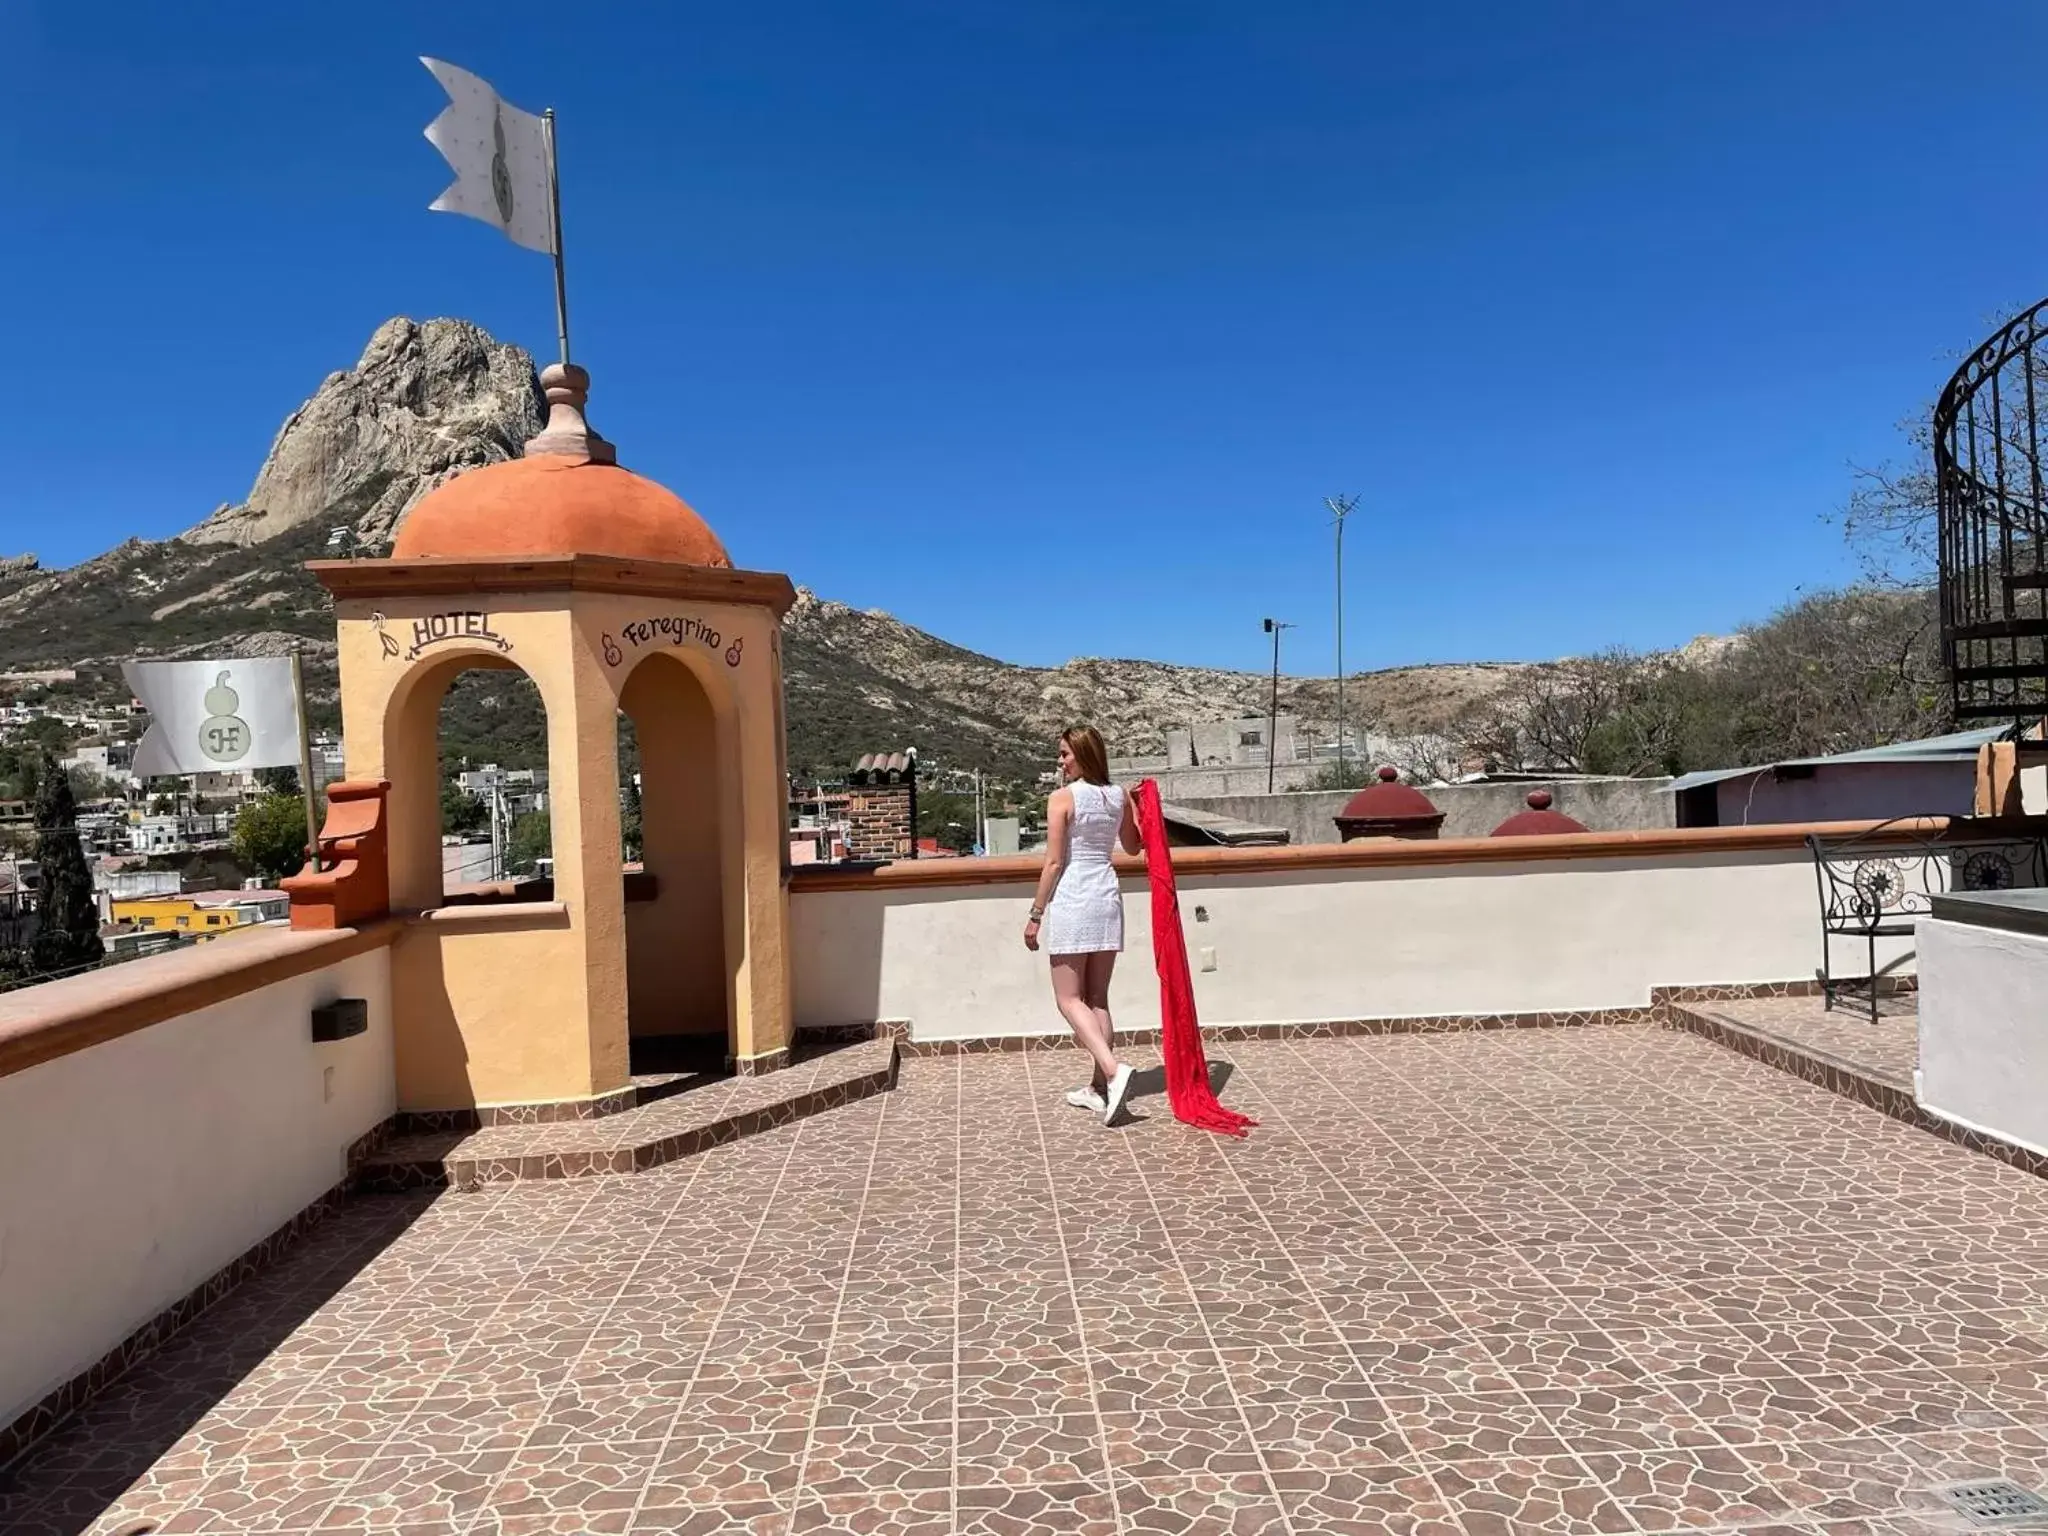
x,y
534,1007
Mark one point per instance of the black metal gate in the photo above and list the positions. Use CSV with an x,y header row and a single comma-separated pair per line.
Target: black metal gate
x,y
1994,525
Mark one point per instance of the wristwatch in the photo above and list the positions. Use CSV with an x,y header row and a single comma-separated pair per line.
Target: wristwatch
x,y
1035,915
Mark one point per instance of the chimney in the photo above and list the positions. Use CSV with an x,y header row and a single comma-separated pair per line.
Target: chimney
x,y
881,807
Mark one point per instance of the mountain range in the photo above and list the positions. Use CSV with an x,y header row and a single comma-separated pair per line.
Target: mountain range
x,y
427,400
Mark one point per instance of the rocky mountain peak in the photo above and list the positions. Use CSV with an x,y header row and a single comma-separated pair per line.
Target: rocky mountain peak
x,y
426,400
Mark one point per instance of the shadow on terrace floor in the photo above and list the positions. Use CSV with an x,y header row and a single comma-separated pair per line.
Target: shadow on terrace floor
x,y
256,1330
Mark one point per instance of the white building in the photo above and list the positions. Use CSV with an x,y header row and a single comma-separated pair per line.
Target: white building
x,y
157,834
524,790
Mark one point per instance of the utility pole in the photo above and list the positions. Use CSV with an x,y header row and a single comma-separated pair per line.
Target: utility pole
x,y
1273,628
1340,508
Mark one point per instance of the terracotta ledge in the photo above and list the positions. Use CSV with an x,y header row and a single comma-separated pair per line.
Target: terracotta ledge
x,y
488,914
1312,858
41,1023
451,575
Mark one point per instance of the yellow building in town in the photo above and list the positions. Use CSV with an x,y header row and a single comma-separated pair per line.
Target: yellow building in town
x,y
201,914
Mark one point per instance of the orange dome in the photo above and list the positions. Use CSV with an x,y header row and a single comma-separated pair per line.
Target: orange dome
x,y
555,504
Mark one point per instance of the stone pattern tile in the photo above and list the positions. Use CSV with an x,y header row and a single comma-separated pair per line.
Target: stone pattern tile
x,y
1887,1050
1845,1053
1594,1280
637,1136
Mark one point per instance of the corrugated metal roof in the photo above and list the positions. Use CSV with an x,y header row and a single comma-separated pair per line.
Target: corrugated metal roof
x,y
1956,746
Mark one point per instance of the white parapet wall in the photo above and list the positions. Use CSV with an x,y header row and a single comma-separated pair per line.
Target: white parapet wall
x,y
1557,926
149,1147
1984,1030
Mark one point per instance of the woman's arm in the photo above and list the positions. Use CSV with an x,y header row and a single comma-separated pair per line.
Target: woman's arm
x,y
1059,810
1132,839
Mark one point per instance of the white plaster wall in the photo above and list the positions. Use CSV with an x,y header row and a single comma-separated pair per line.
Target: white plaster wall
x,y
1400,942
132,1170
1984,1029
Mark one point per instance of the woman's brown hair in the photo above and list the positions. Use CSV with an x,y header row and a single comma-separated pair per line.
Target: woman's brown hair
x,y
1090,755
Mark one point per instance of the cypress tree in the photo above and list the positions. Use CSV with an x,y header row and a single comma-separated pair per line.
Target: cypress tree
x,y
68,918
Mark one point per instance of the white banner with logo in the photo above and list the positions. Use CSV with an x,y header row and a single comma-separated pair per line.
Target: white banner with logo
x,y
215,716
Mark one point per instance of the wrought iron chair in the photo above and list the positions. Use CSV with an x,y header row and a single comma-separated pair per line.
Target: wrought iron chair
x,y
1877,884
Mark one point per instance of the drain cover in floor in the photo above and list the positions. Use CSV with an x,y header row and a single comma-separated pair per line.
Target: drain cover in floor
x,y
1994,1501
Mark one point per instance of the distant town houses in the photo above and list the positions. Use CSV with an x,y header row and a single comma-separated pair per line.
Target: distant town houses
x,y
517,791
119,813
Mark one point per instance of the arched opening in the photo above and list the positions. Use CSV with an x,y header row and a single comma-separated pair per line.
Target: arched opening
x,y
678,977
496,825
466,753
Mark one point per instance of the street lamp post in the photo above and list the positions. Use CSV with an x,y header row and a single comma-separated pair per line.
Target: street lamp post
x,y
1340,508
1273,628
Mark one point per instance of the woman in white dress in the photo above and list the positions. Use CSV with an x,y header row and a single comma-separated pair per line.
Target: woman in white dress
x,y
1077,916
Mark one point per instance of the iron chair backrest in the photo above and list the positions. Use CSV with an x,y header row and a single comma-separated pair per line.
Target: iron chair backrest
x,y
1884,878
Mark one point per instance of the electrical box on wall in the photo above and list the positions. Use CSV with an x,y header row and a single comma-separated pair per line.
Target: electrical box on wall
x,y
341,1018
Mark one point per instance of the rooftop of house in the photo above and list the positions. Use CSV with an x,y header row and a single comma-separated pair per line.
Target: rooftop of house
x,y
216,898
1585,1280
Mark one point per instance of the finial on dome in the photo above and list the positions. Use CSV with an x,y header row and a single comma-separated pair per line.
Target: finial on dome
x,y
1389,773
567,433
1538,800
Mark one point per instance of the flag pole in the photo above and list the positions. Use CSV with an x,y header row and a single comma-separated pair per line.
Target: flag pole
x,y
305,758
547,119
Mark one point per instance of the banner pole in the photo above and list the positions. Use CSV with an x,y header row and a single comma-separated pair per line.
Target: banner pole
x,y
305,758
547,119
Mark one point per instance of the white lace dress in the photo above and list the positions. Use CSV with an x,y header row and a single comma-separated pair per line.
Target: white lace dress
x,y
1086,913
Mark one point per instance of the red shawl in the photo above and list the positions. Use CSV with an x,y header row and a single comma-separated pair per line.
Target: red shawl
x,y
1187,1070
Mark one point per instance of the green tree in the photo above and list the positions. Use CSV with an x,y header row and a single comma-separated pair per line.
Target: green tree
x,y
17,773
1354,773
68,925
948,816
630,820
49,733
461,812
270,837
532,840
278,781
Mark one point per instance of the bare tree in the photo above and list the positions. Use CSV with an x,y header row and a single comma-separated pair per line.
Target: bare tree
x,y
1551,718
1433,757
1837,672
1889,519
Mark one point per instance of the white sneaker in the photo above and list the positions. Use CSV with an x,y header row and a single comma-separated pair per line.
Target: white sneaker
x,y
1086,1098
1119,1090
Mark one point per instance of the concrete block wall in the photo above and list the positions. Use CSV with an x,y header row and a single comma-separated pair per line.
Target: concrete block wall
x,y
1470,810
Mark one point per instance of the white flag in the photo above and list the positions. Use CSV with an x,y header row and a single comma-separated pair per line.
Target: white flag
x,y
500,158
214,716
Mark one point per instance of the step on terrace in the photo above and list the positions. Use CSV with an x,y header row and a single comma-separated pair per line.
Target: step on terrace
x,y
677,1116
1875,1062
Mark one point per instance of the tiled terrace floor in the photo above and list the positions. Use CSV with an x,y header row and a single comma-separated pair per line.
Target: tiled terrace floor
x,y
1559,1281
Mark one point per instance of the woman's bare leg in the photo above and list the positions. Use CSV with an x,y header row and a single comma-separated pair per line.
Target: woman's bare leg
x,y
1095,989
1069,991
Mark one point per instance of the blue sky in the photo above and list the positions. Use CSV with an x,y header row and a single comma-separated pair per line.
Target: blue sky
x,y
1047,326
